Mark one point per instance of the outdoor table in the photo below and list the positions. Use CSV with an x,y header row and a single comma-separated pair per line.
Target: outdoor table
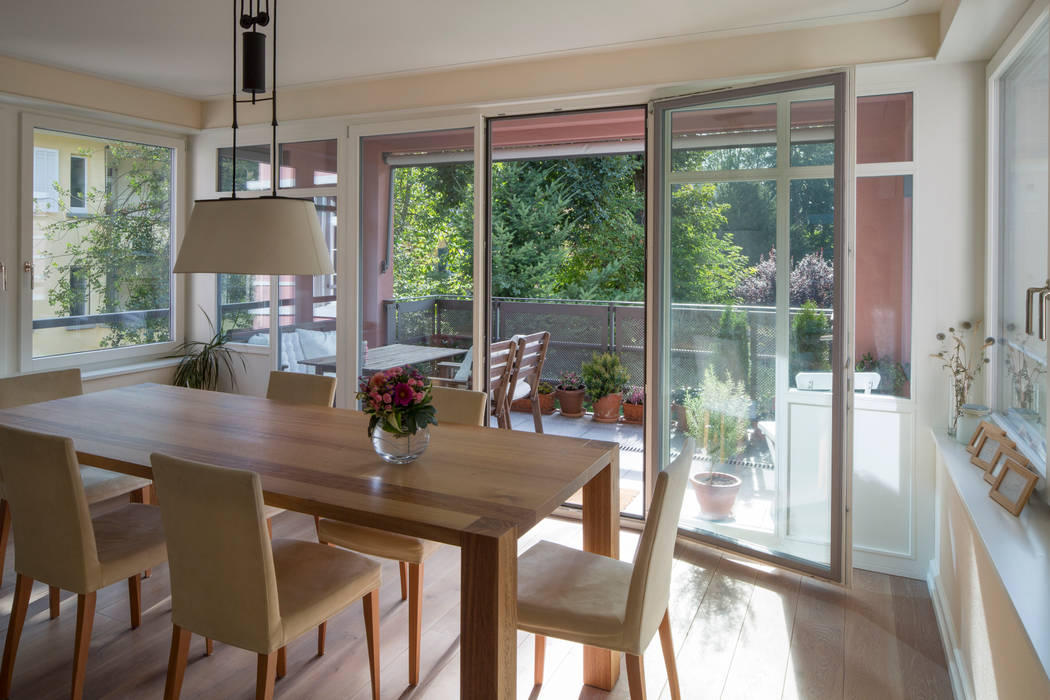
x,y
387,356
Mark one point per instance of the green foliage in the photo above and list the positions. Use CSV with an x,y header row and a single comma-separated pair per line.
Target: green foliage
x,y
121,247
718,414
235,289
202,363
736,352
544,388
706,265
603,375
893,375
809,351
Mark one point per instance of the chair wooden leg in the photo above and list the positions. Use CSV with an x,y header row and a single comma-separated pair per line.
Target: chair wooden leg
x,y
209,646
5,532
415,614
322,629
541,648
370,603
180,649
85,621
269,527
282,662
403,568
668,646
23,587
53,603
265,675
537,415
135,600
636,677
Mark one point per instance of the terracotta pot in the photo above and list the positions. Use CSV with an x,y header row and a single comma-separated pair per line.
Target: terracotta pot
x,y
679,415
571,402
607,408
633,413
525,405
716,492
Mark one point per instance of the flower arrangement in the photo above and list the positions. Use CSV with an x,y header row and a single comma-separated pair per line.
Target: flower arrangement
x,y
570,381
963,363
634,395
398,400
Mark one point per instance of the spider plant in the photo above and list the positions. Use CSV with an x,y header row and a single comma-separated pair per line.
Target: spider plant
x,y
201,363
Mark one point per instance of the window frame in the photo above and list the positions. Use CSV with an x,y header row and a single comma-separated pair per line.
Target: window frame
x,y
82,209
103,357
1013,48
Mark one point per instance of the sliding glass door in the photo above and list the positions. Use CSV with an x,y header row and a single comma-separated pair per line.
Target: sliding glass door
x,y
750,267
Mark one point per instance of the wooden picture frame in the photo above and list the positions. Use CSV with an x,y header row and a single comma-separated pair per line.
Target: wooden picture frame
x,y
1001,455
1013,486
985,444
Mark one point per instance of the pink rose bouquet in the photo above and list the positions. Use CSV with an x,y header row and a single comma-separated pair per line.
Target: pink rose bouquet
x,y
398,400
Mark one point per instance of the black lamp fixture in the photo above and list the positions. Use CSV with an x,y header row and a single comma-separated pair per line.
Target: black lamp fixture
x,y
259,235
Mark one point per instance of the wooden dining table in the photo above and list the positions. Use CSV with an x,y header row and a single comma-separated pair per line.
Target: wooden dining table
x,y
476,488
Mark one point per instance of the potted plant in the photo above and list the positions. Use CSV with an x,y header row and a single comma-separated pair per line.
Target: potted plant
x,y
634,405
201,364
678,399
605,377
545,393
570,393
963,355
399,404
718,417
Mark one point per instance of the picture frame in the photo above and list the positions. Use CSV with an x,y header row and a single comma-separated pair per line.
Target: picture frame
x,y
985,444
1013,486
1001,455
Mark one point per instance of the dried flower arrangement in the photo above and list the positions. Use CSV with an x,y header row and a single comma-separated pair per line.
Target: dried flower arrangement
x,y
964,362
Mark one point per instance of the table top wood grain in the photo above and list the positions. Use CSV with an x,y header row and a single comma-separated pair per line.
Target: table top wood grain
x,y
480,481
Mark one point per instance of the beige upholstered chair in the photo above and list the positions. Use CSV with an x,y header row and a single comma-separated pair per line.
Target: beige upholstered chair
x,y
230,582
58,543
502,354
525,376
452,406
99,484
604,602
297,388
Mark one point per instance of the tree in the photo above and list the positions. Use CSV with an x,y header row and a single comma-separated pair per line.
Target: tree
x,y
705,265
120,249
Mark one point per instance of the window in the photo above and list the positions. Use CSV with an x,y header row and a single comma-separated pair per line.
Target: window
x,y
101,255
1021,238
253,168
78,184
308,164
45,179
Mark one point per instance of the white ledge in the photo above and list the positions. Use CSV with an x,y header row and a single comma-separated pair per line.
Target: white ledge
x,y
1019,547
129,368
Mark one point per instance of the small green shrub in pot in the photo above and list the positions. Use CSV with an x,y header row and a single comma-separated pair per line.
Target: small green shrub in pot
x,y
718,415
605,377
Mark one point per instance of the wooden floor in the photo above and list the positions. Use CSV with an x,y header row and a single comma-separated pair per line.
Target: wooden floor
x,y
740,631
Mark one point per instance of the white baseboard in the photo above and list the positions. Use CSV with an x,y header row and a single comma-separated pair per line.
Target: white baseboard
x,y
962,684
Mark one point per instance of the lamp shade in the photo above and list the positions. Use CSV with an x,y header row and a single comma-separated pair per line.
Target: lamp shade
x,y
257,236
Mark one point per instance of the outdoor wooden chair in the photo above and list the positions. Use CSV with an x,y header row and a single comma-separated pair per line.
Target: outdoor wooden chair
x,y
502,357
525,377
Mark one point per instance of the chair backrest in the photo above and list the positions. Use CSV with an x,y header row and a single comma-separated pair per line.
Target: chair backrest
x,y
532,351
223,584
463,373
54,539
39,386
296,387
502,354
459,405
651,580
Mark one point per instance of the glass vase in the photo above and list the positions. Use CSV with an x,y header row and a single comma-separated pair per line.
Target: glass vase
x,y
400,449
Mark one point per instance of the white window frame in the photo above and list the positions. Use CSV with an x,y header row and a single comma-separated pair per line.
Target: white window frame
x,y
103,357
1011,49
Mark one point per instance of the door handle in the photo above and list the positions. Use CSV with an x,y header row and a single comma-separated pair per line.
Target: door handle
x,y
27,267
3,277
1030,295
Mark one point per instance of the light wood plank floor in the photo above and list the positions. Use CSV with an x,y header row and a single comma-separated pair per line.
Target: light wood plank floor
x,y
740,631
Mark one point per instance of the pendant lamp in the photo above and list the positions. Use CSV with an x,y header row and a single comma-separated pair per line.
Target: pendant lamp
x,y
268,235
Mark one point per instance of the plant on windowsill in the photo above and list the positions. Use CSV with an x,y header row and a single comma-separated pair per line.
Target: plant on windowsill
x,y
202,364
605,377
570,392
718,417
634,405
964,363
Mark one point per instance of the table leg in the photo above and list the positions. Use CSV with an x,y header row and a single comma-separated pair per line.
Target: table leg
x,y
601,535
488,616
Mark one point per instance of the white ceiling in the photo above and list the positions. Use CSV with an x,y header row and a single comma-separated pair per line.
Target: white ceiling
x,y
184,46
